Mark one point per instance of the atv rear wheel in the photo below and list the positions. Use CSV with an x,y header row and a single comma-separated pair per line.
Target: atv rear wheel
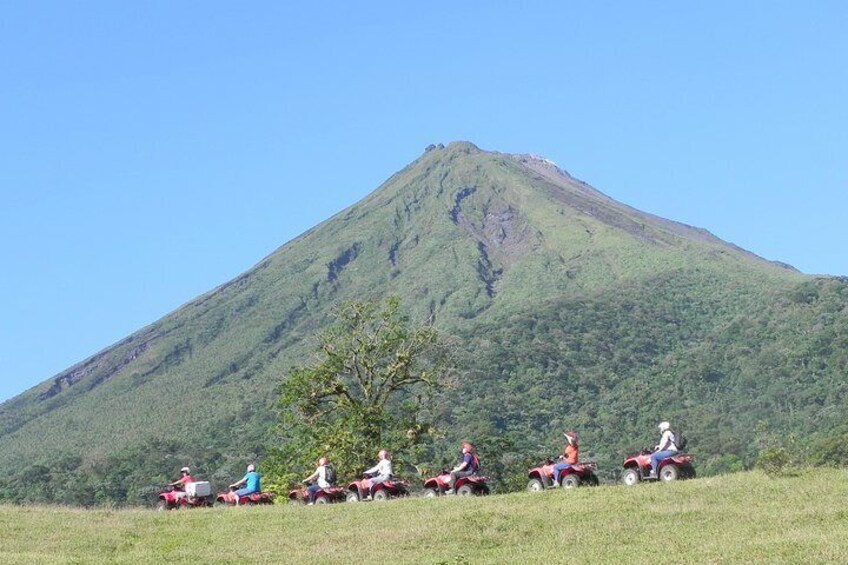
x,y
630,477
352,497
669,473
535,485
571,481
592,480
430,493
465,490
380,495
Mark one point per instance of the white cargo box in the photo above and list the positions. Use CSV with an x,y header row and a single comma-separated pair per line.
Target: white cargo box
x,y
199,488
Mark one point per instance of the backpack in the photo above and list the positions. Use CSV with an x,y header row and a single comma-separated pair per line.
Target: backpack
x,y
330,474
680,441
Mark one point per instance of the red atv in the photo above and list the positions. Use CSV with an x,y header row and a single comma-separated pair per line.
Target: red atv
x,y
542,477
382,491
638,468
196,495
250,499
465,486
323,496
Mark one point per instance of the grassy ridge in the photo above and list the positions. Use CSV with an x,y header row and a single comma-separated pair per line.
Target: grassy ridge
x,y
745,517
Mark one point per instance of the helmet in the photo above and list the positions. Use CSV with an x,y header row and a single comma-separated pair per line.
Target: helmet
x,y
571,437
664,426
185,470
251,468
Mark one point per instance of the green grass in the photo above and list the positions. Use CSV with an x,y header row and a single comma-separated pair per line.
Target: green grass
x,y
745,517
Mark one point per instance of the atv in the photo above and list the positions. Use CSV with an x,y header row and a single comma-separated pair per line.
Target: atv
x,y
465,486
324,496
250,499
579,474
638,468
382,491
174,497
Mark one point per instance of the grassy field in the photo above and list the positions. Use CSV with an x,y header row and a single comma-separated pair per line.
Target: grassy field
x,y
745,517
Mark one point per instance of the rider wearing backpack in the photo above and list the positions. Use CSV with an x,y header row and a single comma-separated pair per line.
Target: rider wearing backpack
x,y
323,477
666,448
469,466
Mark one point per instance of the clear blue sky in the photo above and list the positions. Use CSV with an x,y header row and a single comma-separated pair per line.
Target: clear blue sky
x,y
151,151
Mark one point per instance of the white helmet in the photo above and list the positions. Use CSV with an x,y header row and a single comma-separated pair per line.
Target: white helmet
x,y
185,470
251,468
664,426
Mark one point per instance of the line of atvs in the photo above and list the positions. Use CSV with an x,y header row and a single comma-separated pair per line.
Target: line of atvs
x,y
637,468
362,490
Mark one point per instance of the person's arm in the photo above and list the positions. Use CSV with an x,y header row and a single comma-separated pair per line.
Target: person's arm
x,y
239,483
374,469
311,477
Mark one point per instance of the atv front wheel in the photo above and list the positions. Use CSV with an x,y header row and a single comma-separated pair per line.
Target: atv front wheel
x,y
465,490
161,506
352,497
430,493
321,500
630,477
535,485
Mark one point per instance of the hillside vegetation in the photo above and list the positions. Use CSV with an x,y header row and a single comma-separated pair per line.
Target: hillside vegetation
x,y
739,518
567,310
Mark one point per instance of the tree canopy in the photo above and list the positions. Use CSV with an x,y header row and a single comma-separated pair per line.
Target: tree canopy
x,y
369,386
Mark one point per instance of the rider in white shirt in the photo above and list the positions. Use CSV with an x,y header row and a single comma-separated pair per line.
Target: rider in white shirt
x,y
666,448
320,478
383,471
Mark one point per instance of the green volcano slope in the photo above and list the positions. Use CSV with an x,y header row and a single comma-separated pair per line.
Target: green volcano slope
x,y
568,309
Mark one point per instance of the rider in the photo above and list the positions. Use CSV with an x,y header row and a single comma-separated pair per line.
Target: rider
x,y
251,480
569,456
382,471
665,449
320,478
469,466
180,484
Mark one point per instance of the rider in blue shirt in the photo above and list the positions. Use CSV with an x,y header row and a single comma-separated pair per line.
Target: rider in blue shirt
x,y
251,482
